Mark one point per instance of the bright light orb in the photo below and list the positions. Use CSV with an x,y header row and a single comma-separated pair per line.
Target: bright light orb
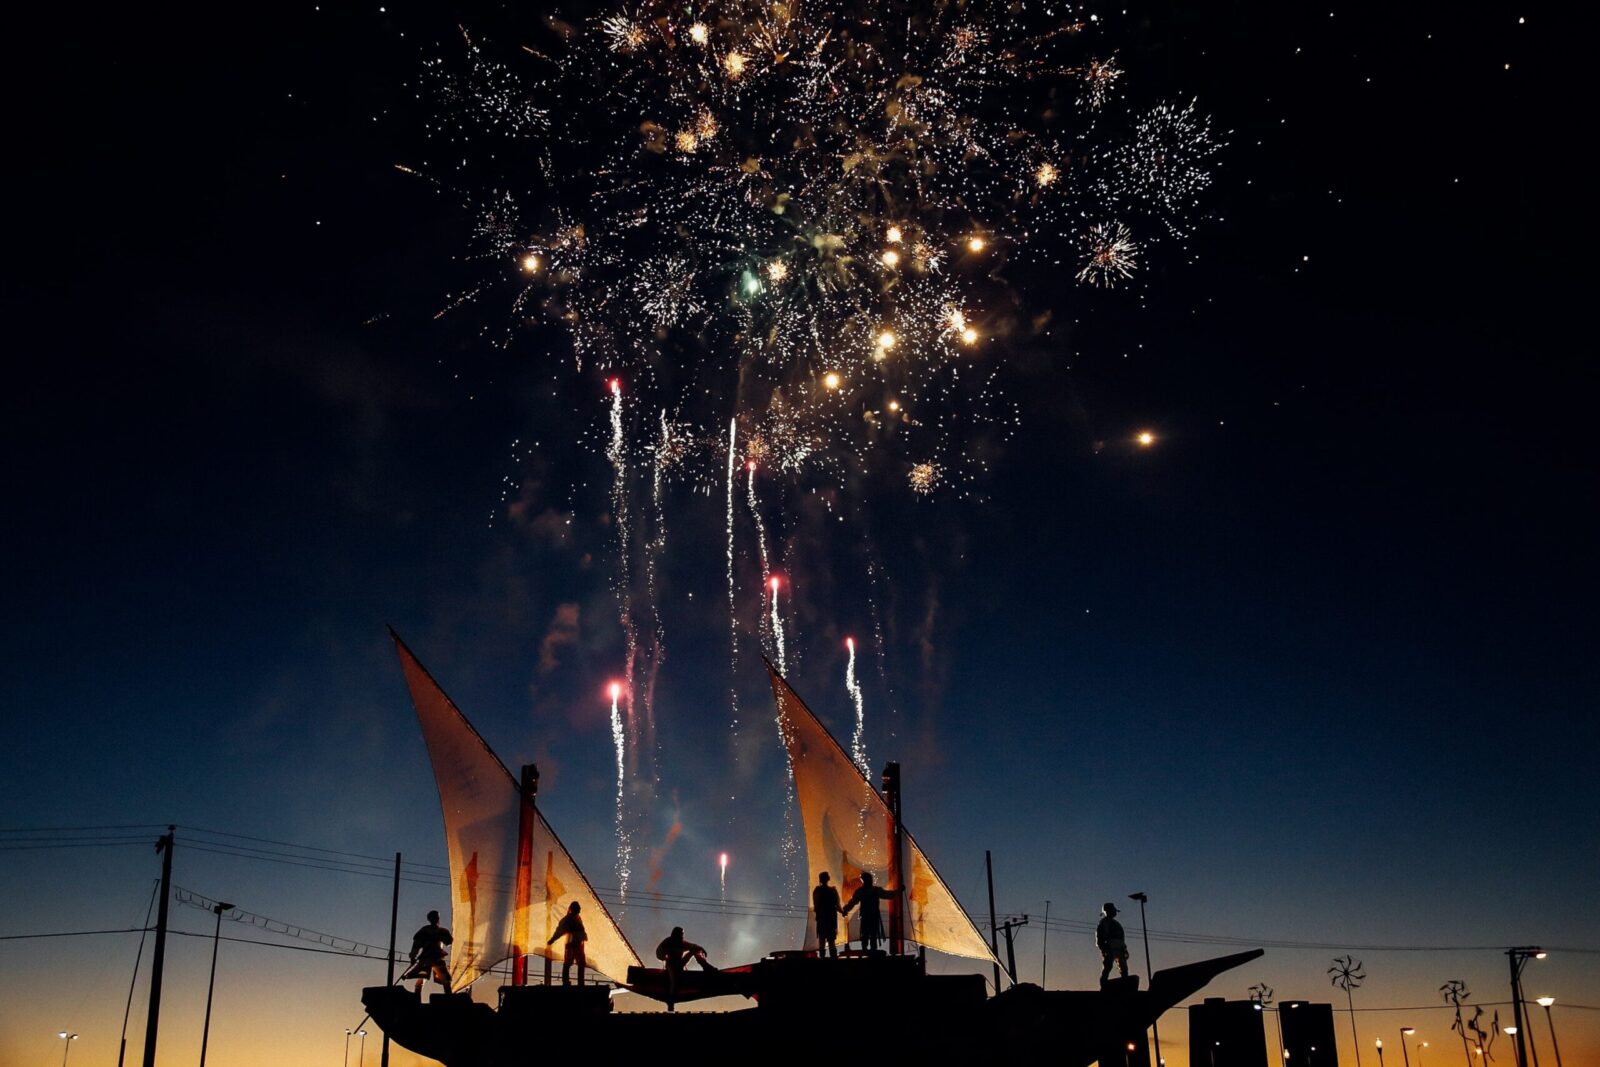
x,y
894,236
777,270
699,33
616,690
1145,438
886,340
969,336
831,379
733,63
891,258
975,244
530,263
894,405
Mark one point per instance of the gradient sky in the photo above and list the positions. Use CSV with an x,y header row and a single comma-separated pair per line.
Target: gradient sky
x,y
1317,667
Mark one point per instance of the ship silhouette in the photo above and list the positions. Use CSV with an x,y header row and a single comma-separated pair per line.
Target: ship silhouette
x,y
512,880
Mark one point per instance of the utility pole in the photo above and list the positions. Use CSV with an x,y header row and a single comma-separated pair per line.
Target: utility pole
x,y
1519,958
1011,948
1044,963
394,922
158,956
994,937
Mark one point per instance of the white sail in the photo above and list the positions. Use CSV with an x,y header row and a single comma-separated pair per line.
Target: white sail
x,y
482,815
847,832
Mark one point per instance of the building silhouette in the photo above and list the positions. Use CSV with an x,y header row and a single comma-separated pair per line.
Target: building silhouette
x,y
1226,1033
1307,1034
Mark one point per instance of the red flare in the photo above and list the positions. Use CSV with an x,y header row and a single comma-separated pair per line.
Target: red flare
x,y
616,690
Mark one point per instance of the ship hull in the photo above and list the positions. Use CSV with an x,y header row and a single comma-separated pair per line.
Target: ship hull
x,y
885,1007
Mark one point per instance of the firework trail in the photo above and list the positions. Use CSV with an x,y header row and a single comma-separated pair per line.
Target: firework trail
x,y
722,864
616,452
624,838
858,740
733,607
777,629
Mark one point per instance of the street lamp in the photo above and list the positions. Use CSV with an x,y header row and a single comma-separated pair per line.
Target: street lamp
x,y
1405,1032
1380,1052
347,1035
1155,1030
66,1047
1545,1002
1420,1047
216,939
362,1034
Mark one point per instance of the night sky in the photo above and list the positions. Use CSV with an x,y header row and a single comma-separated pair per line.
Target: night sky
x,y
1315,667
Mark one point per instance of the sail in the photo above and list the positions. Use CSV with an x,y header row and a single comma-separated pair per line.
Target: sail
x,y
482,814
847,832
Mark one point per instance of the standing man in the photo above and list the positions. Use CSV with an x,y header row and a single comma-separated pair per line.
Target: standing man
x,y
571,924
867,896
430,954
825,903
1112,943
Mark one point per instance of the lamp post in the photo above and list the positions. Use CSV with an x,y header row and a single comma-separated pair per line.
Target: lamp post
x,y
362,1034
1155,1030
1405,1032
1380,1052
1545,1002
216,939
66,1045
1420,1047
347,1035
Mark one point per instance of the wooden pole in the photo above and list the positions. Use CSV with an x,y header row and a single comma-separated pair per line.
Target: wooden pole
x,y
158,956
524,897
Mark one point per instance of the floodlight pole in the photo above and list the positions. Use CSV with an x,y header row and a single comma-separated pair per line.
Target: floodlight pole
x,y
1149,972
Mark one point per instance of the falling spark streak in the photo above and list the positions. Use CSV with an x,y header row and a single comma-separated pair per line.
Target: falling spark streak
x,y
858,741
624,844
733,614
761,533
617,453
656,547
722,862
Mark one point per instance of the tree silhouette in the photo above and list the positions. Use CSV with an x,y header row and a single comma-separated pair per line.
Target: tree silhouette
x,y
1348,976
1455,991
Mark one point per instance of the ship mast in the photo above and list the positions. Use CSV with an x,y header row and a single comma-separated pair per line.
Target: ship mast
x,y
529,793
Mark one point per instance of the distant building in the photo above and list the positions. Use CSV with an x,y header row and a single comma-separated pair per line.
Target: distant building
x,y
1226,1033
1307,1034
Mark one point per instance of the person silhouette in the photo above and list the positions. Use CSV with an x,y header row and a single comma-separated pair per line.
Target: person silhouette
x,y
1112,943
866,897
571,924
676,953
825,904
430,954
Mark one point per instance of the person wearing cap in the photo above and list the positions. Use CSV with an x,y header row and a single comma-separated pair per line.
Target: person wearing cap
x,y
430,953
571,925
1112,943
825,905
